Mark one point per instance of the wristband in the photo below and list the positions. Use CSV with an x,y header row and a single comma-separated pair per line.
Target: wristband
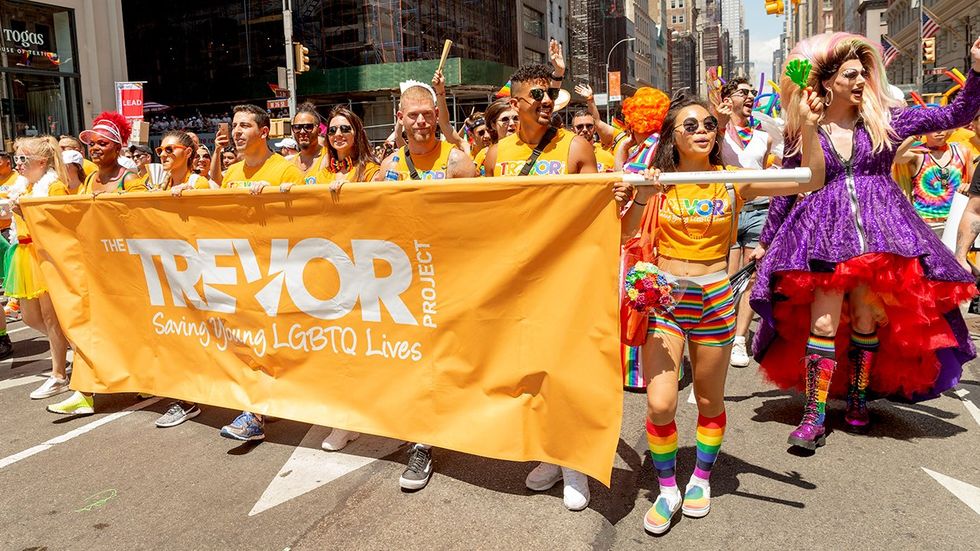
x,y
559,79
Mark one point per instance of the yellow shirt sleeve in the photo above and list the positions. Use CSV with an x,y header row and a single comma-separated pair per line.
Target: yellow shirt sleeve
x,y
370,169
57,188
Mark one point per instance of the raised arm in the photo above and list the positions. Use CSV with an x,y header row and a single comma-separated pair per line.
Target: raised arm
x,y
911,121
445,126
606,131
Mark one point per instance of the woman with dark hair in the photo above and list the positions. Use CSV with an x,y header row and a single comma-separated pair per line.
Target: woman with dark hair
x,y
350,157
500,120
696,227
176,154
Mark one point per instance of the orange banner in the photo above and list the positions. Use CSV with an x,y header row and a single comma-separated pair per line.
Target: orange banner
x,y
475,315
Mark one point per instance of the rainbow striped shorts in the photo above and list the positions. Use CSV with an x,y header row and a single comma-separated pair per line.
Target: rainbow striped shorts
x,y
705,313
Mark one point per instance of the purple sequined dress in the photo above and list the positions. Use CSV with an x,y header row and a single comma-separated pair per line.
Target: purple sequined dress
x,y
860,229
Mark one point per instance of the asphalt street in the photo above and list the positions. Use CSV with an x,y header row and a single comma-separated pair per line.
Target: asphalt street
x,y
114,481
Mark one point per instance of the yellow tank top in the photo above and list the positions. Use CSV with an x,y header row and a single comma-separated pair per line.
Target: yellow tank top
x,y
431,166
604,159
697,222
512,154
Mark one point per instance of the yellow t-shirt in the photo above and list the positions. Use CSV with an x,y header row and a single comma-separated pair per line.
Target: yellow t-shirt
x,y
88,167
480,157
431,166
5,184
139,184
55,189
512,154
604,159
697,222
325,176
274,171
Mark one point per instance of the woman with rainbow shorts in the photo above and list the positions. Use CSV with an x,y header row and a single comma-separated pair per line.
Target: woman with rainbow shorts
x,y
695,229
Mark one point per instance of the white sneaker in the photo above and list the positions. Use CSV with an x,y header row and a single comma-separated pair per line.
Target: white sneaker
x,y
576,492
543,477
53,386
338,439
740,356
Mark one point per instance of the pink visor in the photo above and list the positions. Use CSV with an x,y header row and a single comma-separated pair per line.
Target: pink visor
x,y
104,128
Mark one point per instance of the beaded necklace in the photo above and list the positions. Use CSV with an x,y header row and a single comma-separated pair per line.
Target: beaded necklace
x,y
341,166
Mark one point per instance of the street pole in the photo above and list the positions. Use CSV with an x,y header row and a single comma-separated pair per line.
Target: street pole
x,y
608,57
918,60
287,27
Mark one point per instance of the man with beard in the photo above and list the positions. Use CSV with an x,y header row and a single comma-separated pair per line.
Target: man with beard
x,y
424,157
306,132
537,148
745,147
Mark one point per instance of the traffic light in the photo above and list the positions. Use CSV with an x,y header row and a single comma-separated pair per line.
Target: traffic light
x,y
301,58
774,7
929,50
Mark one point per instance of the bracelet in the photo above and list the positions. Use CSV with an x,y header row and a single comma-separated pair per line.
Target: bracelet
x,y
559,79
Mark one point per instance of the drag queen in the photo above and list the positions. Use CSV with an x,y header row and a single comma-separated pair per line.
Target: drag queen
x,y
852,275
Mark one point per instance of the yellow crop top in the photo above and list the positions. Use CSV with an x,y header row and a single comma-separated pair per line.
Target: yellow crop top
x,y
697,222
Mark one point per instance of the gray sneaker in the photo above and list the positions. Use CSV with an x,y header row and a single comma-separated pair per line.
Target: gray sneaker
x,y
177,413
419,469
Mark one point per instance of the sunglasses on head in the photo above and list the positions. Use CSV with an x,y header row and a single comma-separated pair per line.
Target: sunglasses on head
x,y
343,128
169,150
585,126
537,94
304,127
691,124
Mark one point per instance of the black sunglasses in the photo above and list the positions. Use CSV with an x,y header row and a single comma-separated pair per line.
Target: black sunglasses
x,y
746,93
537,94
581,127
344,129
304,127
692,124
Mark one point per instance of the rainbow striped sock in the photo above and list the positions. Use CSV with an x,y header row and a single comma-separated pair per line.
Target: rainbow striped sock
x,y
663,450
711,431
865,341
820,346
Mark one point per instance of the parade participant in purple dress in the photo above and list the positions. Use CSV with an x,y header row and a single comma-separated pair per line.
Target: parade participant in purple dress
x,y
852,265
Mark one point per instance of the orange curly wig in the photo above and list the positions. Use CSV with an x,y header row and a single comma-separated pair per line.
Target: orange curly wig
x,y
645,111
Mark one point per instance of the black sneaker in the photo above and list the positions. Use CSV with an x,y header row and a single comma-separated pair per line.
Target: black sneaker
x,y
419,470
6,347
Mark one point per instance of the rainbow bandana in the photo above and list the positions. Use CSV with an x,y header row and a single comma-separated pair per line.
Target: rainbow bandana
x,y
641,158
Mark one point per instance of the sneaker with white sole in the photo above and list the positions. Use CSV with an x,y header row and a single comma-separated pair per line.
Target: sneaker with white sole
x,y
52,386
543,477
658,518
177,413
76,404
338,439
740,355
576,492
697,499
246,427
419,469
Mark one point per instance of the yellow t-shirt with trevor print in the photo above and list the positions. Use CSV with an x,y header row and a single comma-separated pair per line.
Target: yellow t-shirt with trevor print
x,y
697,222
512,155
274,171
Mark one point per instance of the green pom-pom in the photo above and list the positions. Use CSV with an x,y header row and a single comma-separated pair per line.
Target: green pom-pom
x,y
798,71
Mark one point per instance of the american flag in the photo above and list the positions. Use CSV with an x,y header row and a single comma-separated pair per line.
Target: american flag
x,y
930,27
888,50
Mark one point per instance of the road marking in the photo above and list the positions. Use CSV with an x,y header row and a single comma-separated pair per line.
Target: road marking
x,y
20,381
969,405
11,459
309,467
970,495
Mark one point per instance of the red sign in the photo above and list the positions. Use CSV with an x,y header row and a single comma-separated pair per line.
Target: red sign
x,y
132,103
277,104
615,94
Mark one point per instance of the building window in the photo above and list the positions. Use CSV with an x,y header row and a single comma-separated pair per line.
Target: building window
x,y
680,3
551,12
533,21
673,19
560,17
531,56
680,19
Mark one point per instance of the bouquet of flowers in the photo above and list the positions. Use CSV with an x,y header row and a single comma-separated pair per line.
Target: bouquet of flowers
x,y
649,288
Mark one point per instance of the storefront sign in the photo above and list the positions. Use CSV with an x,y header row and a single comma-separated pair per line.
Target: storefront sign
x,y
277,104
29,45
129,100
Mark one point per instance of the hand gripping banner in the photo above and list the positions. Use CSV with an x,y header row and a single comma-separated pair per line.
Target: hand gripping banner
x,y
475,315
